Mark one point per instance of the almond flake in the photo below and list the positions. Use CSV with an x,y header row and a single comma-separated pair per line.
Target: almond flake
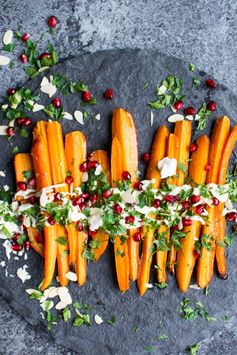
x,y
60,305
189,117
7,38
2,174
152,118
47,87
175,118
71,276
148,285
98,319
4,60
67,116
79,117
84,177
37,107
64,295
97,117
3,130
195,287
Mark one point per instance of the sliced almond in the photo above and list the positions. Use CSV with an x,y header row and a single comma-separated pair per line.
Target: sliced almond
x,y
67,116
7,38
64,295
60,305
72,276
98,319
4,60
79,117
175,118
97,117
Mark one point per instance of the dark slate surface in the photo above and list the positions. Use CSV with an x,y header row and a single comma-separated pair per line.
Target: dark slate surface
x,y
127,71
202,32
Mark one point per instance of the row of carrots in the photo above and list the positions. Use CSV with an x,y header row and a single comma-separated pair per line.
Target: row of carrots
x,y
51,159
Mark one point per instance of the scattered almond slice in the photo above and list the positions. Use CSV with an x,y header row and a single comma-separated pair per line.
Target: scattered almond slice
x,y
149,285
84,177
3,130
64,295
4,60
97,117
152,118
2,174
189,117
52,292
67,116
195,287
72,276
98,319
79,117
60,305
173,108
47,86
37,107
7,37
175,118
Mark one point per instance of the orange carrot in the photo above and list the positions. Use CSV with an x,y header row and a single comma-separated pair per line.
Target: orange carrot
x,y
32,234
62,254
50,244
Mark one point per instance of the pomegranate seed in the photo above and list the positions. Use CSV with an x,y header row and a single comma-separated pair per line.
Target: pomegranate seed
x,y
77,201
176,227
215,201
24,58
129,219
22,185
211,106
146,157
11,91
178,105
85,195
39,238
169,198
45,55
92,164
82,205
20,121
195,253
139,185
69,180
156,203
195,198
52,21
31,200
86,96
108,94
25,37
51,221
57,102
10,131
126,175
15,238
187,222
193,147
177,198
79,226
94,198
27,245
231,217
20,218
199,209
32,181
186,205
27,122
117,208
84,167
92,233
57,197
16,247
208,167
210,83
137,237
107,193
189,111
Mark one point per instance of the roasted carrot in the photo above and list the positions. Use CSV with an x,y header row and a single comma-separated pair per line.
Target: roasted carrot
x,y
157,153
183,131
124,129
221,222
62,254
50,256
32,234
102,157
218,142
186,254
120,248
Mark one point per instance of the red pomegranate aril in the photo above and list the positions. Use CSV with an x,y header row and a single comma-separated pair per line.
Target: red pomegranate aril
x,y
57,102
39,238
94,198
52,21
178,105
199,209
186,205
137,237
195,198
69,180
85,195
193,147
231,217
45,55
108,94
32,181
82,205
15,238
146,157
176,227
177,198
187,222
86,96
215,201
16,247
79,226
22,185
169,198
25,37
208,167
156,203
126,175
139,185
27,122
117,208
211,106
23,58
31,200
77,201
107,193
92,233
189,111
84,167
20,121
27,245
10,131
11,91
130,219
51,221
210,83
92,164
57,197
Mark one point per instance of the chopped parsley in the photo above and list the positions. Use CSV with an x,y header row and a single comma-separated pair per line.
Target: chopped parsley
x,y
192,67
81,319
193,349
192,309
202,116
112,320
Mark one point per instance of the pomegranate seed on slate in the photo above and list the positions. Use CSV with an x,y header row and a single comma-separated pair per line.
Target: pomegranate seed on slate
x,y
27,245
231,217
126,175
57,102
20,121
146,157
69,180
210,83
57,197
24,58
92,164
199,209
156,203
32,181
31,200
85,195
84,167
94,198
108,94
169,198
187,222
178,105
193,147
27,122
195,198
208,167
107,194
215,201
92,233
52,21
10,131
211,106
139,185
25,37
45,55
79,226
117,208
189,111
137,237
129,219
86,96
22,185
186,205
51,221
16,247
39,238
11,91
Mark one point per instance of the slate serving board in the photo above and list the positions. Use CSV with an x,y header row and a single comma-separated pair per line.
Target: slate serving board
x,y
127,72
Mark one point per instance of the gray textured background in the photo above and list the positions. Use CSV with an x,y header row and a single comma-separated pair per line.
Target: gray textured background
x,y
203,32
